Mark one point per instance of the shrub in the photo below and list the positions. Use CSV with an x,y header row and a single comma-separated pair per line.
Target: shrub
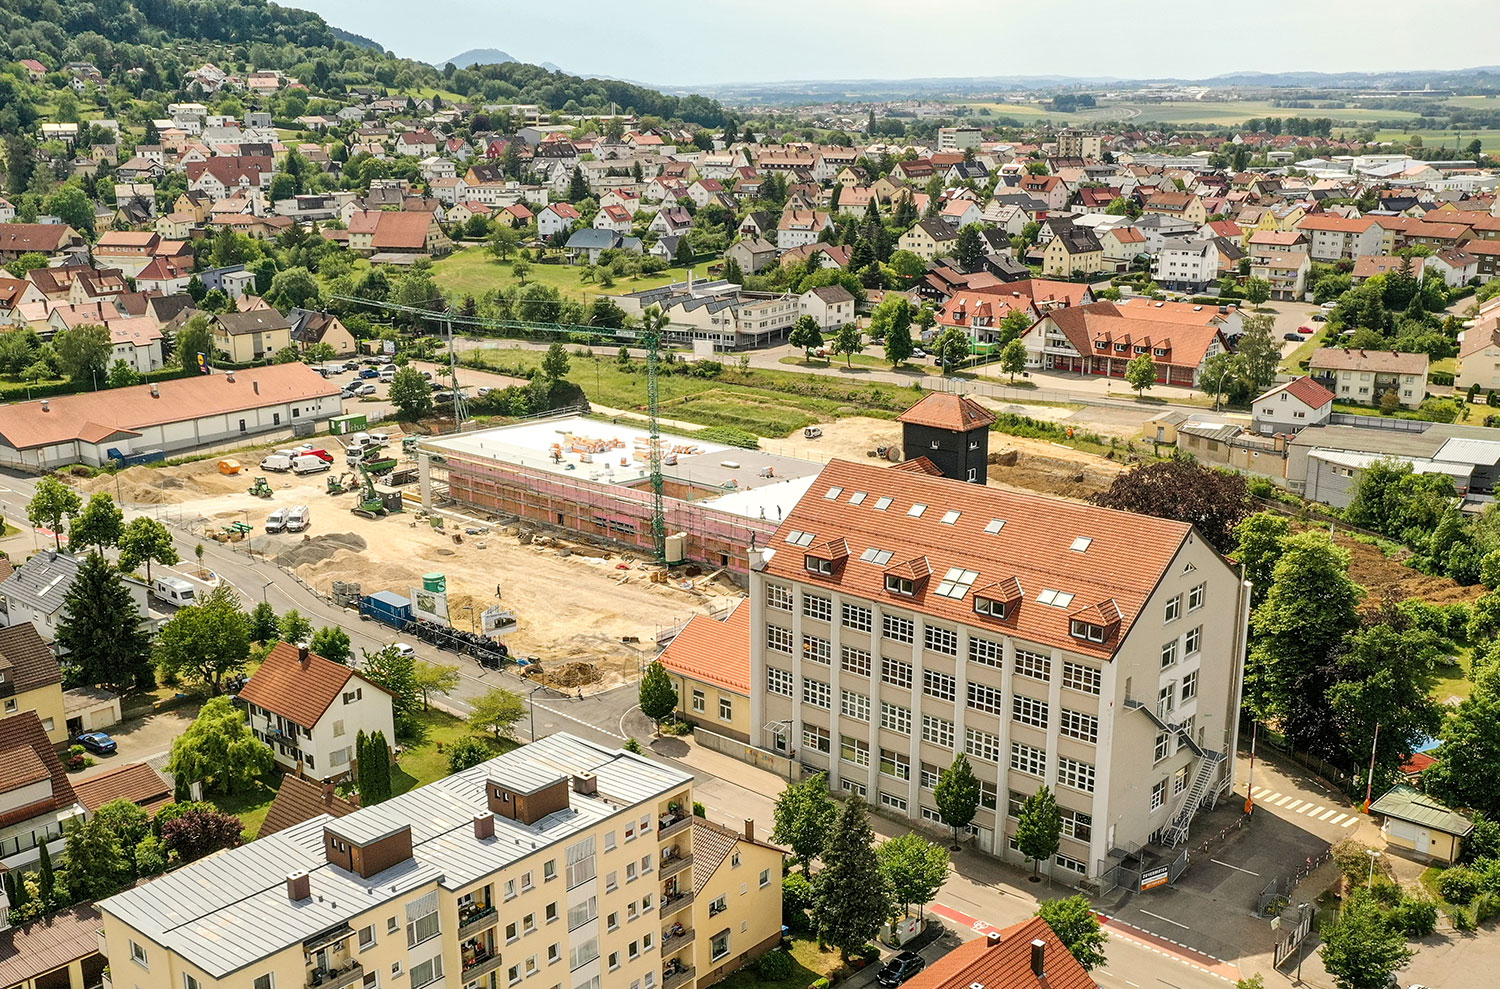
x,y
633,745
773,966
822,983
730,435
1486,905
699,811
796,900
1415,918
1459,884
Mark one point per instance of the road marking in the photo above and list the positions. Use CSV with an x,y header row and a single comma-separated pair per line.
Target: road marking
x,y
1169,920
1312,813
1261,791
586,724
1350,823
1328,813
1338,819
1283,800
1292,807
1234,867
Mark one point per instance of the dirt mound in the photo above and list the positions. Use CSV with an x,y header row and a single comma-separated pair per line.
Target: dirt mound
x,y
313,549
568,675
1066,478
1381,575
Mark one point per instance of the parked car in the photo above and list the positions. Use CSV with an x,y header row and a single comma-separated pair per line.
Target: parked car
x,y
918,352
900,968
364,388
97,742
347,392
1306,329
403,649
1295,337
369,372
1329,306
1318,317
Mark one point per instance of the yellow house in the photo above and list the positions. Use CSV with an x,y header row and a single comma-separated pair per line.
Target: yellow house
x,y
1073,250
738,879
198,204
1184,205
251,336
849,176
175,226
310,327
561,862
1255,218
30,680
61,952
1288,216
709,663
1416,823
928,239
1479,353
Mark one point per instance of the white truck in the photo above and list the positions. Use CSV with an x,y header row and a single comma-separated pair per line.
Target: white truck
x,y
276,521
308,464
298,518
174,590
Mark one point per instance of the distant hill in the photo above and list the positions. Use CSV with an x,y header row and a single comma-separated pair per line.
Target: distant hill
x,y
478,56
355,39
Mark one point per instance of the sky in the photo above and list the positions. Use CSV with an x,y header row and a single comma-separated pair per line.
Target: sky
x,y
706,42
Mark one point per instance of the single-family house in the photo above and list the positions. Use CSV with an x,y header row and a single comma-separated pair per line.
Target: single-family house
x,y
1285,271
614,218
831,305
798,228
31,680
1291,407
37,797
309,327
929,239
1368,375
251,336
556,218
1184,205
752,254
1073,251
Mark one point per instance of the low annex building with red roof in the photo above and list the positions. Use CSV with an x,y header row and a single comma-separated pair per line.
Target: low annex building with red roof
x,y
1027,955
709,661
310,710
898,618
1104,337
1292,407
168,416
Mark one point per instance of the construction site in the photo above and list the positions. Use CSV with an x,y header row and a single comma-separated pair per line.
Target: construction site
x,y
593,477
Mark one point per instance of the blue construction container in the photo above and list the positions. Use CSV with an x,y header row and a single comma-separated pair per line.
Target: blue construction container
x,y
386,606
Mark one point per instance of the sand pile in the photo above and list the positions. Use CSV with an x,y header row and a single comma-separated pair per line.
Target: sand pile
x,y
311,550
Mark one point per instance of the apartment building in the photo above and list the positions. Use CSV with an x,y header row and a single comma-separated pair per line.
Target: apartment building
x,y
899,618
559,865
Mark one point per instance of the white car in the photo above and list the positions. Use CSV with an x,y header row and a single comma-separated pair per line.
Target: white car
x,y
364,388
1329,306
402,649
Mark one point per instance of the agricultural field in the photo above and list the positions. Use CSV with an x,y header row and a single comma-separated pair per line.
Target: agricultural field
x,y
1215,112
1490,139
473,271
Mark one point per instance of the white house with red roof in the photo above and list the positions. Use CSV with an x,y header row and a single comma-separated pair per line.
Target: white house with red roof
x,y
556,218
310,710
615,218
1292,407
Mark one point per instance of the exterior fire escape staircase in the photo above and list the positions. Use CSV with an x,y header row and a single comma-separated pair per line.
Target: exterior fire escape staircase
x,y
1205,786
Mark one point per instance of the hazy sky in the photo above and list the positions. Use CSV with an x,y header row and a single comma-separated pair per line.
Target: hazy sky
x,y
716,41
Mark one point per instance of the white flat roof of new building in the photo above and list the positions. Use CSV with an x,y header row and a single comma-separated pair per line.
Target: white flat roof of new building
x,y
756,484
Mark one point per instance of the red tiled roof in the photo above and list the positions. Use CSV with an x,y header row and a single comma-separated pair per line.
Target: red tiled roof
x,y
300,692
1307,391
136,782
1005,963
298,800
713,651
943,410
1332,221
401,231
1187,341
19,734
1127,557
46,238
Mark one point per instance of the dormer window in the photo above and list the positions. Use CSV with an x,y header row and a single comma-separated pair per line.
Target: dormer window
x,y
904,586
1101,345
1086,631
819,566
991,607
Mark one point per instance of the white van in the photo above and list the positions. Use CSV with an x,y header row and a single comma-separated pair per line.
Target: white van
x,y
309,464
380,439
387,375
173,590
298,518
279,462
276,521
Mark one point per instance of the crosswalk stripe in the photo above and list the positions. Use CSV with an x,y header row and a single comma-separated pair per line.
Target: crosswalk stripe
x,y
1350,823
1283,800
1338,819
1327,814
1261,791
1292,807
1314,811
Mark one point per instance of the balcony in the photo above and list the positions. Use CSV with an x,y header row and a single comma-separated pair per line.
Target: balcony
x,y
671,905
675,864
483,963
675,938
683,976
674,825
339,978
478,920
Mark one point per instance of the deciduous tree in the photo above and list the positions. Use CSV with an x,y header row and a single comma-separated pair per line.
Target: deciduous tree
x,y
52,504
332,643
1363,949
914,868
200,831
848,341
1076,925
658,696
207,641
411,394
100,524
803,814
1039,829
218,749
496,712
1140,373
435,678
1013,359
145,540
1260,540
806,335
398,675
1213,501
957,795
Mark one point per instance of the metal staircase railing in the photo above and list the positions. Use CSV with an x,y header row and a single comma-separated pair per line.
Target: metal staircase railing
x,y
1176,832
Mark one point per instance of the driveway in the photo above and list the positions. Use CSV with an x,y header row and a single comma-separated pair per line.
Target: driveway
x,y
143,739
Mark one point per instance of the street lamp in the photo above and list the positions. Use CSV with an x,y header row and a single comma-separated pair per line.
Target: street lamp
x,y
531,707
1374,854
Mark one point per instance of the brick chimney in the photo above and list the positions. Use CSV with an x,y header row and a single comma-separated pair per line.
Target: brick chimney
x,y
992,939
298,886
1039,958
484,825
302,653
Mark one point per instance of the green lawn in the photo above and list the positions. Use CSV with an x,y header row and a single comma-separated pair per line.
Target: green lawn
x,y
1443,138
1453,677
473,271
1296,361
809,965
250,805
764,402
424,761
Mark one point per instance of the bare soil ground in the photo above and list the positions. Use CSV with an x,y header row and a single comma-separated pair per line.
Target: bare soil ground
x,y
1036,465
1381,575
575,602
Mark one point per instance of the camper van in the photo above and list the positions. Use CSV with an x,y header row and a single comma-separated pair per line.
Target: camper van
x,y
298,518
173,590
280,462
309,464
276,521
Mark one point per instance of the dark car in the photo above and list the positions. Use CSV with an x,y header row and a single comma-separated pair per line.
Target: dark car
x,y
97,742
1318,317
900,968
1292,336
369,372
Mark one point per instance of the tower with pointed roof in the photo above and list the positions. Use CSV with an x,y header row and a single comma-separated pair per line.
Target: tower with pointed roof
x,y
952,431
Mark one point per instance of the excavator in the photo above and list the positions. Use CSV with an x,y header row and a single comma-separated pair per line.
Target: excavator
x,y
370,505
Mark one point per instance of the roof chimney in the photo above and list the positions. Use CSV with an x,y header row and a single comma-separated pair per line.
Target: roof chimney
x,y
230,376
255,385
46,405
992,939
298,886
155,391
1039,958
586,784
302,652
484,825
327,793
749,829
